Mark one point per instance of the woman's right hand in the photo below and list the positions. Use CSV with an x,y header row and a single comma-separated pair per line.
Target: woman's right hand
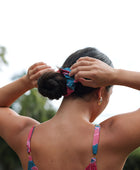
x,y
93,72
35,71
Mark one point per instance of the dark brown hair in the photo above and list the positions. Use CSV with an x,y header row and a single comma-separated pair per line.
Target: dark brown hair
x,y
53,84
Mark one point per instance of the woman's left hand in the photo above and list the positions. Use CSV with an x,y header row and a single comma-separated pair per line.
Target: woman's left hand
x,y
92,72
35,71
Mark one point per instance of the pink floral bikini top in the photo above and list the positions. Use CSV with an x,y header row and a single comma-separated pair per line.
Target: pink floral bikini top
x,y
91,166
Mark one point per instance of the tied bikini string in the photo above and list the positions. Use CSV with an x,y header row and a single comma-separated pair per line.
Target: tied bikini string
x,y
70,80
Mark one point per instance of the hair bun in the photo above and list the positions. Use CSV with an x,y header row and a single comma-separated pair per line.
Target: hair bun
x,y
52,85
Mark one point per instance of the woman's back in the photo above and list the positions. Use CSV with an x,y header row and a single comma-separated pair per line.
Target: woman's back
x,y
63,145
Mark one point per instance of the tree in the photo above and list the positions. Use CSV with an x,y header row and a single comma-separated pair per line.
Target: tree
x,y
2,55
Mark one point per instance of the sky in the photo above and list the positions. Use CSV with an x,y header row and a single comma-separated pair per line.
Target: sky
x,y
50,30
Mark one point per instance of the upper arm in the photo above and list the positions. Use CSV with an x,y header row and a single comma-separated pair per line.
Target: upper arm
x,y
125,130
12,124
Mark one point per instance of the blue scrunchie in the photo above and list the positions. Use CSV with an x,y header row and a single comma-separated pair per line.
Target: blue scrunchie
x,y
70,80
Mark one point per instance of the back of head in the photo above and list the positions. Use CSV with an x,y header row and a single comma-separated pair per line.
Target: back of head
x,y
53,84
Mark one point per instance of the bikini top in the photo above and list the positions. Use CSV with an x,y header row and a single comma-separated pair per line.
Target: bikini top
x,y
91,166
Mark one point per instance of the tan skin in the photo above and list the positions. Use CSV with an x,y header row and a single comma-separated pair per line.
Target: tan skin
x,y
65,141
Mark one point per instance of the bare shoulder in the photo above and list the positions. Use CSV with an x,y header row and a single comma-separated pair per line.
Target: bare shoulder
x,y
122,119
13,127
123,130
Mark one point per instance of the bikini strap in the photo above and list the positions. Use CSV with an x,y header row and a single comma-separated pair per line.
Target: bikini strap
x,y
28,145
96,139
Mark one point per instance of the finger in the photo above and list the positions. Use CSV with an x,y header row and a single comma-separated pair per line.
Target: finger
x,y
86,58
38,68
80,68
83,74
81,63
88,83
40,73
37,64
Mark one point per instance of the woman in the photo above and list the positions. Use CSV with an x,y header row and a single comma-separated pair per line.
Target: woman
x,y
69,141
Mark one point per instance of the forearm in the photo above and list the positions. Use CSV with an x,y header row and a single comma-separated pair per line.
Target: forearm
x,y
10,92
127,78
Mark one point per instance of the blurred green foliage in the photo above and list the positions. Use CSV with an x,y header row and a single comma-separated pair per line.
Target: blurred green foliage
x,y
2,55
32,104
133,161
8,158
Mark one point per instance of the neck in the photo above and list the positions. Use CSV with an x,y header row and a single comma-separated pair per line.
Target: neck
x,y
77,110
